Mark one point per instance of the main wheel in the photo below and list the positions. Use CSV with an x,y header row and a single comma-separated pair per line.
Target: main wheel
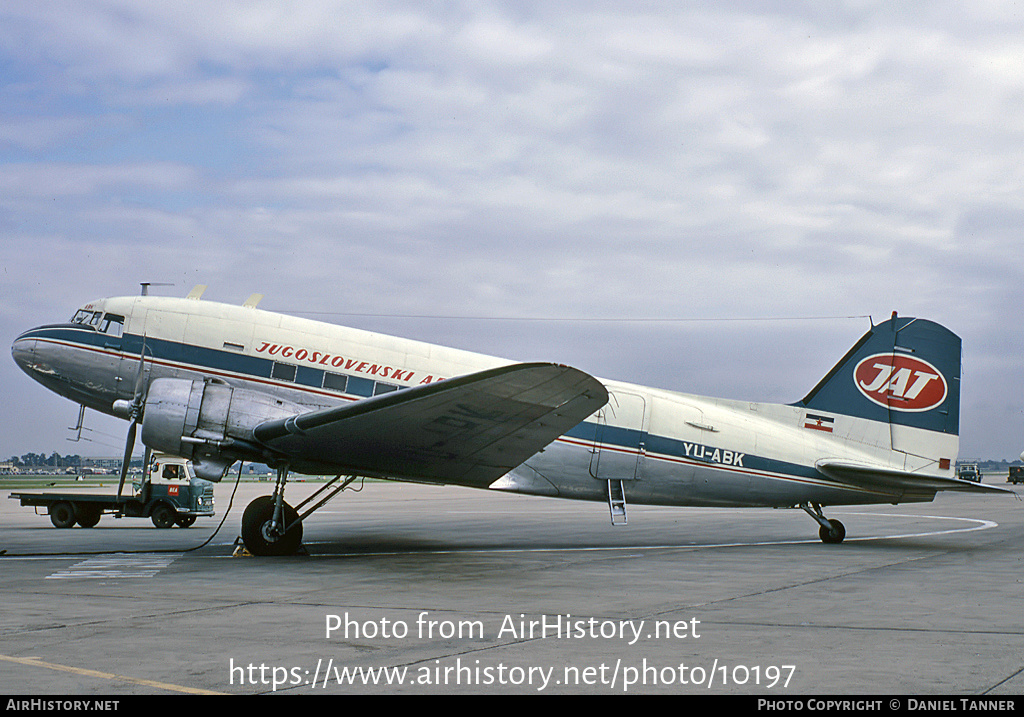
x,y
260,539
62,515
835,535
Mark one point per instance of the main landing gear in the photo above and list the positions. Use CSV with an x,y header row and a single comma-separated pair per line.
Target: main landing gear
x,y
831,530
272,527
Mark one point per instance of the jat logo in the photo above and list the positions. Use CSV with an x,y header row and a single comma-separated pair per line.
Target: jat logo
x,y
902,383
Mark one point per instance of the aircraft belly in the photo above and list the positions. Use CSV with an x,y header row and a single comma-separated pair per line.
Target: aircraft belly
x,y
562,469
720,487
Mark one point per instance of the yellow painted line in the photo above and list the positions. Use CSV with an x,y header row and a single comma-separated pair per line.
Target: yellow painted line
x,y
36,662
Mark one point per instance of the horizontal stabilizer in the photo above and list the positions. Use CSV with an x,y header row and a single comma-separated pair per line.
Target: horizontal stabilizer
x,y
469,430
897,481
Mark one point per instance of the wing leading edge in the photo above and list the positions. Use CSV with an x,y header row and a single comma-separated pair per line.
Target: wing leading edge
x,y
890,480
469,430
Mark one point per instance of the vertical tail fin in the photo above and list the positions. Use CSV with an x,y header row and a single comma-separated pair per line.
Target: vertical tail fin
x,y
904,372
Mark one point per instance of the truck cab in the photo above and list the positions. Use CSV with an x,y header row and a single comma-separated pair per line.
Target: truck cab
x,y
173,492
969,471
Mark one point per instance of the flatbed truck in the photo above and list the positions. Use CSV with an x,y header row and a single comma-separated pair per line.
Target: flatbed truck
x,y
169,494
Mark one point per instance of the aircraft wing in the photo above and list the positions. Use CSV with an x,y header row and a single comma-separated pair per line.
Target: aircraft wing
x,y
897,481
469,430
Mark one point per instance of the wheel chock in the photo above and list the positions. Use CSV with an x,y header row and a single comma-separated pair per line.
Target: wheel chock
x,y
240,550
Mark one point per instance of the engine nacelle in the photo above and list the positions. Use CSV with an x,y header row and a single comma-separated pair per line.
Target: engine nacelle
x,y
208,422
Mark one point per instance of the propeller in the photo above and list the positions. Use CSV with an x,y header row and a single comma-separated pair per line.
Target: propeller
x,y
134,414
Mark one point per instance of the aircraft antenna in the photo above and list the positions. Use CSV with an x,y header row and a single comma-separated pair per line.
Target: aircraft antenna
x,y
146,284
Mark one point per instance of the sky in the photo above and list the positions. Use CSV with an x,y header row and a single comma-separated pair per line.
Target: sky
x,y
715,198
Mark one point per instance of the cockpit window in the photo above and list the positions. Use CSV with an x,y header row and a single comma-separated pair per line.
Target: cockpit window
x,y
109,324
112,324
82,316
87,317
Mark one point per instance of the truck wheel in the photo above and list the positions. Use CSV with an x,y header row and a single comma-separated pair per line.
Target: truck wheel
x,y
87,516
185,521
62,514
163,517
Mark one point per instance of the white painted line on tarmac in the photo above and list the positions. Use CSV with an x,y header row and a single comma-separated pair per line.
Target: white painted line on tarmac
x,y
116,567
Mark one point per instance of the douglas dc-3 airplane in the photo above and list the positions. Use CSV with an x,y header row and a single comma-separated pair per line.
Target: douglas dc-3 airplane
x,y
217,383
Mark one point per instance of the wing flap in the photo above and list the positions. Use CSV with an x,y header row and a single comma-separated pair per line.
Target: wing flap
x,y
469,430
897,481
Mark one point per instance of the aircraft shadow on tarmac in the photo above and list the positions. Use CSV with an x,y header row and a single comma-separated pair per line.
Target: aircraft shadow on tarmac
x,y
926,532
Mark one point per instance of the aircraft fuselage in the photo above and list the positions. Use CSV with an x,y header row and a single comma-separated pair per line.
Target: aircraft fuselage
x,y
665,447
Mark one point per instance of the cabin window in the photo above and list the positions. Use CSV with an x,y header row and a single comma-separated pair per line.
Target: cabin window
x,y
283,372
335,381
384,388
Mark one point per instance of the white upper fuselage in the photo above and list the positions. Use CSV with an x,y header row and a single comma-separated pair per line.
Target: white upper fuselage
x,y
666,447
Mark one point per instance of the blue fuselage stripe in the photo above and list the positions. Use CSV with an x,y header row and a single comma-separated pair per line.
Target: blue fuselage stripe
x,y
199,359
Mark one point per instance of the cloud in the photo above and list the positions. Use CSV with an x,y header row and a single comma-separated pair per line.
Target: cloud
x,y
565,160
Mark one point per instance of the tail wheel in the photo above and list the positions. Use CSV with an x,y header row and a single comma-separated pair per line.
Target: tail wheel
x,y
262,537
833,535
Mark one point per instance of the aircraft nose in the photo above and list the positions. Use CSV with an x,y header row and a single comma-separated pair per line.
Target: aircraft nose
x,y
24,350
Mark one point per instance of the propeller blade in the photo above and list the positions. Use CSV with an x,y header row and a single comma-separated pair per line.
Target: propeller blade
x,y
129,447
140,376
138,402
